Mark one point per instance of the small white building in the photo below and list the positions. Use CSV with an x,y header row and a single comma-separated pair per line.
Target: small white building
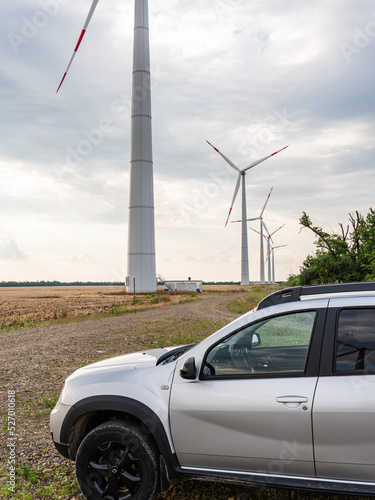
x,y
183,285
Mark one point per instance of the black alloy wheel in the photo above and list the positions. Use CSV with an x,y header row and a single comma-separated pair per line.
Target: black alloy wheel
x,y
115,461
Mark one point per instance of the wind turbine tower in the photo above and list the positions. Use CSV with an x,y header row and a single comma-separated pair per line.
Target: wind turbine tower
x,y
268,238
141,239
273,260
244,241
141,233
260,218
269,249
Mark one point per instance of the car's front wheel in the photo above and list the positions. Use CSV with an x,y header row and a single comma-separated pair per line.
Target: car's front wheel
x,y
115,461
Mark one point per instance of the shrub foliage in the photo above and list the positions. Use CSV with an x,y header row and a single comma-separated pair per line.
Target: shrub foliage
x,y
340,257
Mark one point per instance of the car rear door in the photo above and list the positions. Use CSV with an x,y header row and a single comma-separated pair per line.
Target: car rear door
x,y
344,406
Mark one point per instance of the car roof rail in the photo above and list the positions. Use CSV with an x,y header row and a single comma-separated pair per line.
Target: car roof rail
x,y
293,294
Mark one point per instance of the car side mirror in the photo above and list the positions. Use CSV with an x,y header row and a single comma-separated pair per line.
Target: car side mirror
x,y
255,341
188,370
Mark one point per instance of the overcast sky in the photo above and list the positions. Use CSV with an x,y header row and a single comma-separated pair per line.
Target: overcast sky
x,y
250,77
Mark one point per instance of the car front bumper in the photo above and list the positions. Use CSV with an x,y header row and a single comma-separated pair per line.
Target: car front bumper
x,y
57,418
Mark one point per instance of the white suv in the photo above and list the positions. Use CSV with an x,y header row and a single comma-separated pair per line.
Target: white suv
x,y
282,396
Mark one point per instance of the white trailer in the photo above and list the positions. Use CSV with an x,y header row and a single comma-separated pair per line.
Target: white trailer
x,y
183,285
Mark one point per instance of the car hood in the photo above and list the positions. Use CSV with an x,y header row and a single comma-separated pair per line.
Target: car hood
x,y
130,375
141,359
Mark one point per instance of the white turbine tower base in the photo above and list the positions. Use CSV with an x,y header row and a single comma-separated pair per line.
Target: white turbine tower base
x,y
141,231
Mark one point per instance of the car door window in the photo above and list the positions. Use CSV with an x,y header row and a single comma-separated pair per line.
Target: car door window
x,y
355,340
277,345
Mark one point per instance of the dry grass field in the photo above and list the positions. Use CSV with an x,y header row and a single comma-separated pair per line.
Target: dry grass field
x,y
25,306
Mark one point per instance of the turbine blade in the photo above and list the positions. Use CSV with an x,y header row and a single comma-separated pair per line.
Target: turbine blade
x,y
262,159
88,19
258,232
255,230
268,197
247,220
277,229
279,246
234,197
225,158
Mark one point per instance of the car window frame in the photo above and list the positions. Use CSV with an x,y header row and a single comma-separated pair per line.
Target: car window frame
x,y
313,354
327,361
358,371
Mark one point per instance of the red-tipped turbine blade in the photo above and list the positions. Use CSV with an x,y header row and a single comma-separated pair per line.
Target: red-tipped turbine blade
x,y
255,231
248,220
268,197
277,229
225,158
234,197
88,19
279,246
263,159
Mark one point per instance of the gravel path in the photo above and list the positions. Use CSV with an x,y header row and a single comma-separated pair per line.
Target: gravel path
x,y
35,362
45,340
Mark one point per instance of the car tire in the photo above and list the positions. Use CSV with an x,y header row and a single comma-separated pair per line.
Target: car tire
x,y
116,461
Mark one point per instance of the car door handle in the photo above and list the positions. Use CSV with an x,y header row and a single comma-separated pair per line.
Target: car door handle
x,y
292,399
292,402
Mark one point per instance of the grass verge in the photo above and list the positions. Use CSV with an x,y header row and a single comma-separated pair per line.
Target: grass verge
x,y
251,299
38,483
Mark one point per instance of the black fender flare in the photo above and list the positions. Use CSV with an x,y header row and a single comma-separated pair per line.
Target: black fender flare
x,y
129,406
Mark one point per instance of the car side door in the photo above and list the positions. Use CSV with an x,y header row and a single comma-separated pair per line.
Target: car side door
x,y
344,406
250,407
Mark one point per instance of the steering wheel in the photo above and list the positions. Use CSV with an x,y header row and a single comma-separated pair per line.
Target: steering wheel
x,y
239,357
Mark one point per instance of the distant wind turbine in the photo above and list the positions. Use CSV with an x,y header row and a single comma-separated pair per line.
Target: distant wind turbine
x,y
268,238
262,224
244,242
141,239
273,260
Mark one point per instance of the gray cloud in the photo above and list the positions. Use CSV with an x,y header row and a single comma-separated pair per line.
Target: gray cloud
x,y
250,77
